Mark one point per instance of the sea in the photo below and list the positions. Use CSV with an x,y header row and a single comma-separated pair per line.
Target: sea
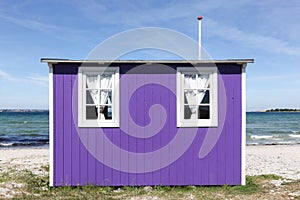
x,y
23,129
273,128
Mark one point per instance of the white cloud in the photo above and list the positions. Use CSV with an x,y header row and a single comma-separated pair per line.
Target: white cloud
x,y
31,24
253,40
8,77
142,13
294,77
157,13
33,79
263,37
38,79
59,32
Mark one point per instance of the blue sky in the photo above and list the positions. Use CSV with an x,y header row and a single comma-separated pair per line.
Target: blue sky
x,y
265,30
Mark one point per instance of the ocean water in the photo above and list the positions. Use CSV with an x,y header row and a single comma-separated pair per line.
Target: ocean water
x,y
273,128
32,129
19,129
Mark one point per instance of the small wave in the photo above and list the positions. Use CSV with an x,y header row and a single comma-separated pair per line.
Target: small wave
x,y
259,137
6,144
273,143
296,132
287,142
279,132
32,134
15,144
252,144
276,139
294,136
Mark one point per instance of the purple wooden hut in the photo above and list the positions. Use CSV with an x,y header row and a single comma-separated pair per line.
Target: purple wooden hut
x,y
138,122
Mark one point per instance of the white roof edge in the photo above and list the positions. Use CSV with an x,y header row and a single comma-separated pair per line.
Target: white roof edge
x,y
55,61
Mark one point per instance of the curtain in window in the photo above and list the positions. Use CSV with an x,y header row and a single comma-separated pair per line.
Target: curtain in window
x,y
91,82
203,83
192,91
106,83
103,96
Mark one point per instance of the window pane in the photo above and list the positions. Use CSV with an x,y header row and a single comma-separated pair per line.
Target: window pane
x,y
203,81
190,81
105,112
186,96
106,97
190,112
190,97
203,96
106,81
203,112
92,97
91,112
91,81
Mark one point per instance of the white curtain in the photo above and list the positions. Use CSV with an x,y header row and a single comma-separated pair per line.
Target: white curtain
x,y
92,82
105,82
203,82
193,96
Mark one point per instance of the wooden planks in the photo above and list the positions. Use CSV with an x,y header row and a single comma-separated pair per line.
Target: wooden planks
x,y
75,165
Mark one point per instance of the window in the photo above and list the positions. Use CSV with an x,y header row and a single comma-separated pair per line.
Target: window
x,y
98,97
197,99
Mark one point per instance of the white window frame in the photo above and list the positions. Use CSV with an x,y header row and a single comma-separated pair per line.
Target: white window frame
x,y
213,95
82,121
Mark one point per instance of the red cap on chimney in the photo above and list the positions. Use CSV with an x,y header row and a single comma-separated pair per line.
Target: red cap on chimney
x,y
199,17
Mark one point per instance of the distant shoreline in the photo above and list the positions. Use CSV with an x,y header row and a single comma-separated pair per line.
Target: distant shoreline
x,y
283,110
277,110
46,110
22,110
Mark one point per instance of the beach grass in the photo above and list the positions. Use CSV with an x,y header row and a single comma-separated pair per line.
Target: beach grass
x,y
23,184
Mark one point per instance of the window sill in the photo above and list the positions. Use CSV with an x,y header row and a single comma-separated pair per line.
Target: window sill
x,y
198,124
98,124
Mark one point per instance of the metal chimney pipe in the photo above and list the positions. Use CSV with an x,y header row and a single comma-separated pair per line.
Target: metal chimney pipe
x,y
199,37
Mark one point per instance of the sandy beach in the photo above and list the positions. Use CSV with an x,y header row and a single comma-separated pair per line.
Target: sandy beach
x,y
282,160
24,158
278,159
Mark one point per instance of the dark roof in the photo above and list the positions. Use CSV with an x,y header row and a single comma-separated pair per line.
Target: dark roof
x,y
55,61
233,61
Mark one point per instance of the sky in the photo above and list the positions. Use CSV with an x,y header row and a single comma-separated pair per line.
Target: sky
x,y
265,30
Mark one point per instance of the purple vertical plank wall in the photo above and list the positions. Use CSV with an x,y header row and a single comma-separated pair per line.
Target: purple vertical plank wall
x,y
74,165
124,177
75,143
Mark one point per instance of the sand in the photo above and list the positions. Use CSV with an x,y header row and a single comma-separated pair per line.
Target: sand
x,y
279,160
24,158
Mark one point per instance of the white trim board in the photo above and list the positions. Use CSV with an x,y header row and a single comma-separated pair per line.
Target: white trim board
x,y
243,138
51,127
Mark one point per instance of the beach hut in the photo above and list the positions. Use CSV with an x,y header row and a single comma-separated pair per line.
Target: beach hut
x,y
147,122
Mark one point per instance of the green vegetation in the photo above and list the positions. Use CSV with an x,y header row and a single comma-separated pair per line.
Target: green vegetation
x,y
283,110
31,186
270,176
